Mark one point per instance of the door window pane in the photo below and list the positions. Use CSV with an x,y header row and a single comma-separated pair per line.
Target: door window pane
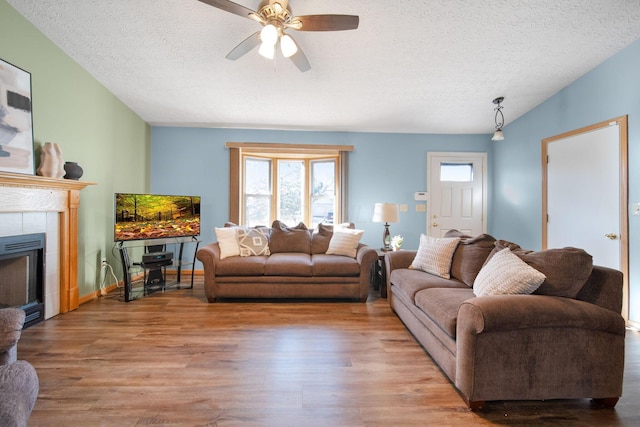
x,y
457,172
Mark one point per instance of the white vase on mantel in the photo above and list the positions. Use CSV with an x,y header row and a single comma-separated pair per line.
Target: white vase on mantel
x,y
51,161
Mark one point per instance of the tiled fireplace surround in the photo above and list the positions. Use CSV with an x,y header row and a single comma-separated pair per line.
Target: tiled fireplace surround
x,y
35,204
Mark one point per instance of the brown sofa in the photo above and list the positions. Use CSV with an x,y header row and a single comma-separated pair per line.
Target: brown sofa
x,y
297,266
566,340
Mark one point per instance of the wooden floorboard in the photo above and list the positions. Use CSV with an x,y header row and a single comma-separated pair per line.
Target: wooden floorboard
x,y
173,359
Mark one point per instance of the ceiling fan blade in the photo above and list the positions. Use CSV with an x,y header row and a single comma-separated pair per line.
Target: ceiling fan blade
x,y
300,60
245,46
328,22
229,6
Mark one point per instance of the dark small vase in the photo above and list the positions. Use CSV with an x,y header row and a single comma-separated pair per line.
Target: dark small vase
x,y
74,171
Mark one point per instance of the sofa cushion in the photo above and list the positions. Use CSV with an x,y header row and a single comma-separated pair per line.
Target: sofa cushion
x,y
288,264
566,269
320,239
434,255
409,281
344,241
507,274
253,241
470,255
228,242
441,305
289,239
239,266
332,265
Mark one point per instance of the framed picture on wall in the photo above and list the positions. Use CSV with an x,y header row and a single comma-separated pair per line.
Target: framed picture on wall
x,y
16,120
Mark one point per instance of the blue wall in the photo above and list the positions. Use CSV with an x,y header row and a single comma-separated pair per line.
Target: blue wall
x,y
391,167
609,91
382,168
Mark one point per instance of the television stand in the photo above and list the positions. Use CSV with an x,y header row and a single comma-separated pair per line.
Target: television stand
x,y
150,274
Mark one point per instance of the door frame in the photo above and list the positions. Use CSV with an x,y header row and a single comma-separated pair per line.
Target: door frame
x,y
469,155
623,196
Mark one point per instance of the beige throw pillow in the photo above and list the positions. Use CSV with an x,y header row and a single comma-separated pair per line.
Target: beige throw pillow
x,y
435,254
344,241
227,241
507,274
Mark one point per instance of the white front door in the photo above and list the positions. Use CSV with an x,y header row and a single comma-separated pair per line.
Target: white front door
x,y
585,188
456,184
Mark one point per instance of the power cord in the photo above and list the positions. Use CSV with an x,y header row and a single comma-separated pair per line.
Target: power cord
x,y
108,270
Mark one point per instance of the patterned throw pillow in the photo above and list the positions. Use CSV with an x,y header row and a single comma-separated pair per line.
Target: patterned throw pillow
x,y
253,241
507,274
435,254
227,241
344,241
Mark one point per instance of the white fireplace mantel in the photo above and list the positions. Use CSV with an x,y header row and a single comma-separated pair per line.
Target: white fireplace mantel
x,y
31,193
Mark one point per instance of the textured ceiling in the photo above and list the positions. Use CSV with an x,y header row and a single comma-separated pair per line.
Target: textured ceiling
x,y
413,66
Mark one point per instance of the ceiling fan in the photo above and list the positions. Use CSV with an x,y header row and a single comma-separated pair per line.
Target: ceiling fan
x,y
276,17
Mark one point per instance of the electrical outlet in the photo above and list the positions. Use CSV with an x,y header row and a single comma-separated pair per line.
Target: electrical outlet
x,y
636,209
105,263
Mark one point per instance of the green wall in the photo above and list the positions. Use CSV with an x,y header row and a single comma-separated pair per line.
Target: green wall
x,y
91,126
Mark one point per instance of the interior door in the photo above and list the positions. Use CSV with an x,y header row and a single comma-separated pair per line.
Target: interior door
x,y
457,193
585,193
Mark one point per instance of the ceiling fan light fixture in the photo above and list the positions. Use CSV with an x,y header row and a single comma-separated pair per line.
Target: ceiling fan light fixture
x,y
288,46
267,50
295,23
269,35
256,17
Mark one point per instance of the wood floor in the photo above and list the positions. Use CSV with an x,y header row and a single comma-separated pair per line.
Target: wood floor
x,y
173,359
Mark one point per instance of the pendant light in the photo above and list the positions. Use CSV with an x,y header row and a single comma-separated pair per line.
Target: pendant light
x,y
498,135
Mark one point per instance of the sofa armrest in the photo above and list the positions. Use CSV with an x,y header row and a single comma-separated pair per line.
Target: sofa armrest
x,y
365,256
393,261
398,259
531,347
604,287
209,255
11,322
516,312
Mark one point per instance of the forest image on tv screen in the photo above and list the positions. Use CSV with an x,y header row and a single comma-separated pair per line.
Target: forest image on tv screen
x,y
148,216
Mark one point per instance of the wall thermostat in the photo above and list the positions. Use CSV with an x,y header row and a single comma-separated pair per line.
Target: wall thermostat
x,y
420,196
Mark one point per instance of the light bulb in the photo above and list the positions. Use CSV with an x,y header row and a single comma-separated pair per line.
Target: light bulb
x,y
267,50
269,35
288,46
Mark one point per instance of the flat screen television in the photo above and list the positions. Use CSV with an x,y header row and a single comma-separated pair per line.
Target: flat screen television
x,y
152,216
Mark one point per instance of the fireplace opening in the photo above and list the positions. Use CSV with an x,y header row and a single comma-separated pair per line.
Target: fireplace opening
x,y
22,275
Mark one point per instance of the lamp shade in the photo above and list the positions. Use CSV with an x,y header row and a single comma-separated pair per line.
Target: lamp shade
x,y
288,46
269,35
498,135
386,212
267,50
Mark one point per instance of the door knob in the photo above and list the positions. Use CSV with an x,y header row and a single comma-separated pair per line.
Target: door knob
x,y
611,236
435,224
